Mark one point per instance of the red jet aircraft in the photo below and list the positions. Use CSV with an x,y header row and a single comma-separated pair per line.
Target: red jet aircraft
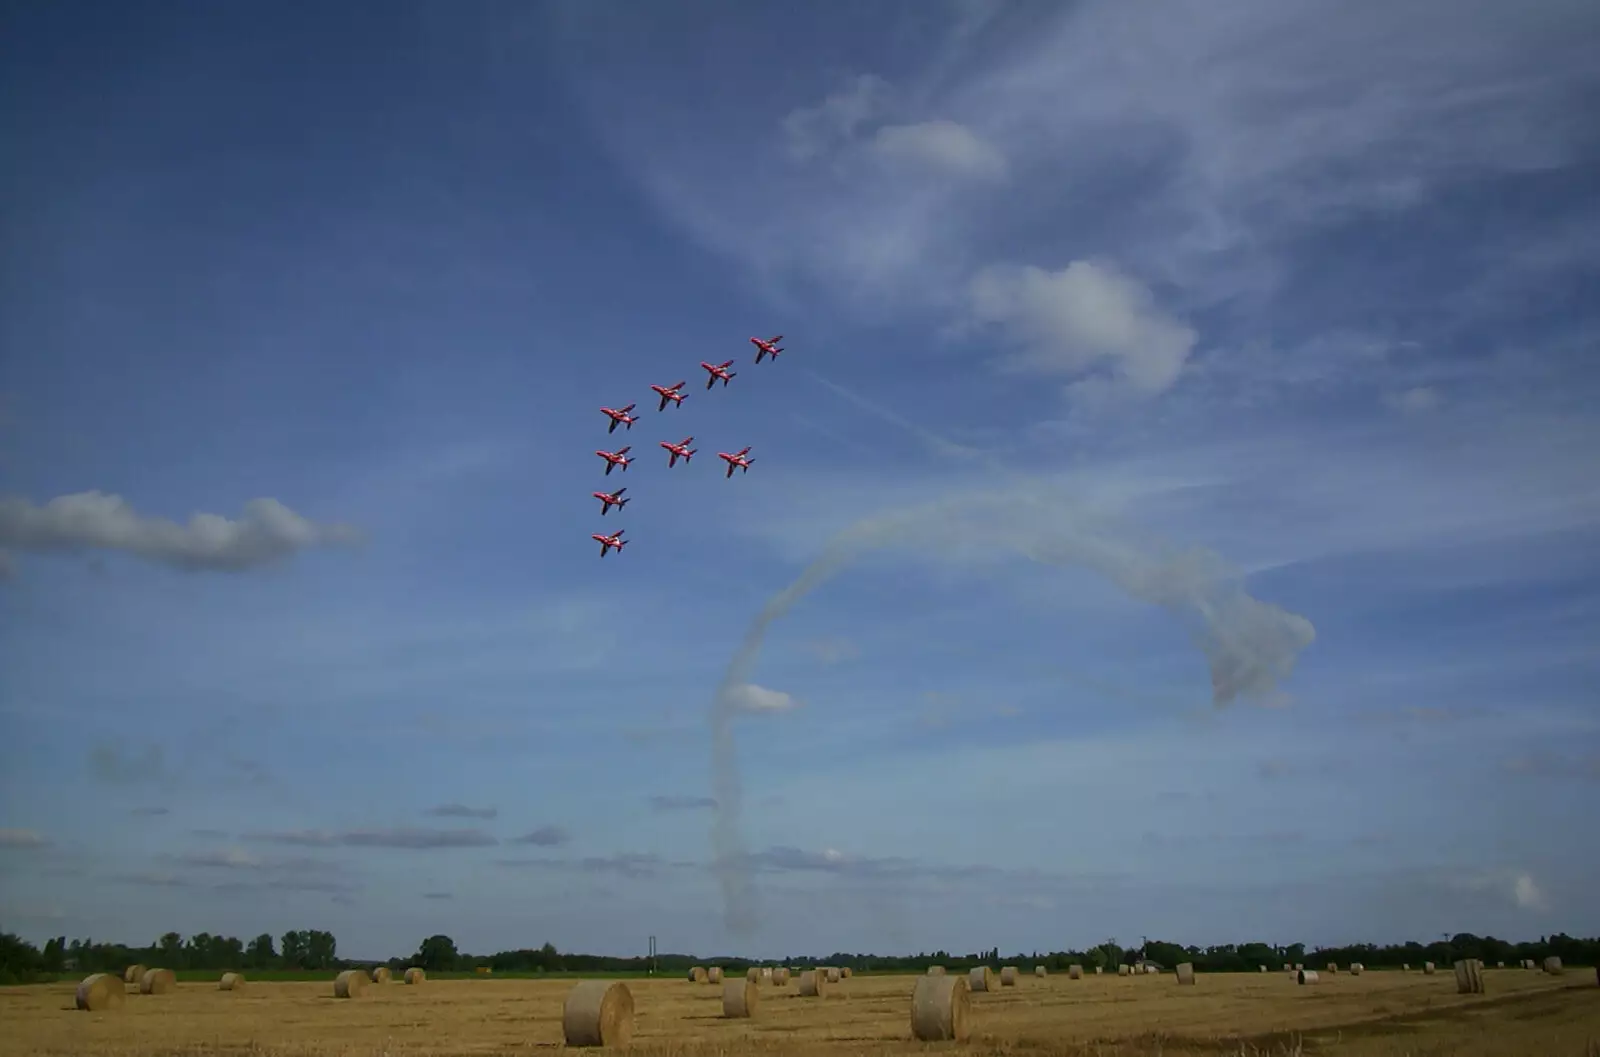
x,y
718,371
741,459
615,458
768,347
607,542
679,450
668,392
620,416
611,499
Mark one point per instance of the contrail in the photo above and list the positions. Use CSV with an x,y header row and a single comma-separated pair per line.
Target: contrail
x,y
1250,644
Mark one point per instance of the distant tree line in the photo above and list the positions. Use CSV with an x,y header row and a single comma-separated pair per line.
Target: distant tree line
x,y
314,950
306,949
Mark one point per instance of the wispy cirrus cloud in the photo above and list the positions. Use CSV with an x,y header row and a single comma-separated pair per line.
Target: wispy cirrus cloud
x,y
414,838
1247,124
634,865
682,803
1555,765
453,810
547,836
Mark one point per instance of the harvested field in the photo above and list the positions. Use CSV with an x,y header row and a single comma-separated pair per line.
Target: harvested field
x,y
1378,1014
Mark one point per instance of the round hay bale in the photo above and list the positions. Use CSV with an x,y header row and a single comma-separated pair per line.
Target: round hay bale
x,y
1469,977
415,975
813,983
739,997
1499,965
846,973
158,982
231,982
697,975
1075,972
939,1008
1553,966
1123,970
834,976
133,974
935,970
350,984
1186,973
1288,968
1299,965
1333,967
1099,970
1008,976
381,974
598,1013
1041,972
1405,967
980,978
1305,976
99,992
752,975
766,972
1263,968
714,975
1427,969
780,977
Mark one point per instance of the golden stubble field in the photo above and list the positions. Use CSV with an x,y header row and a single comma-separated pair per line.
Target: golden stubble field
x,y
1382,1014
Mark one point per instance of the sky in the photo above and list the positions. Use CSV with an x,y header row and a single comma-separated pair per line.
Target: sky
x,y
1175,511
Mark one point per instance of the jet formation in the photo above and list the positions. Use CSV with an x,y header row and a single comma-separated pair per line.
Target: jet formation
x,y
670,394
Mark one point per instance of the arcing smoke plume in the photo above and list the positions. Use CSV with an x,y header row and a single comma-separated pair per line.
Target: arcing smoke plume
x,y
1251,644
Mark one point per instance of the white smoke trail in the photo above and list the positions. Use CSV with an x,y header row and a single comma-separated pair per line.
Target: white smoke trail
x,y
1250,644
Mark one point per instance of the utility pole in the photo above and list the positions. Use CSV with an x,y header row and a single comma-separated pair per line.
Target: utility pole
x,y
652,955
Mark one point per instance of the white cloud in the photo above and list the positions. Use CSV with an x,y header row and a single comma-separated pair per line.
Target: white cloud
x,y
943,145
748,697
1516,886
1084,316
267,532
1527,893
1237,125
21,838
227,858
812,130
1414,400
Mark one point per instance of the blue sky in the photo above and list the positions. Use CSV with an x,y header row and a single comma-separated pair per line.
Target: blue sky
x,y
1184,450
